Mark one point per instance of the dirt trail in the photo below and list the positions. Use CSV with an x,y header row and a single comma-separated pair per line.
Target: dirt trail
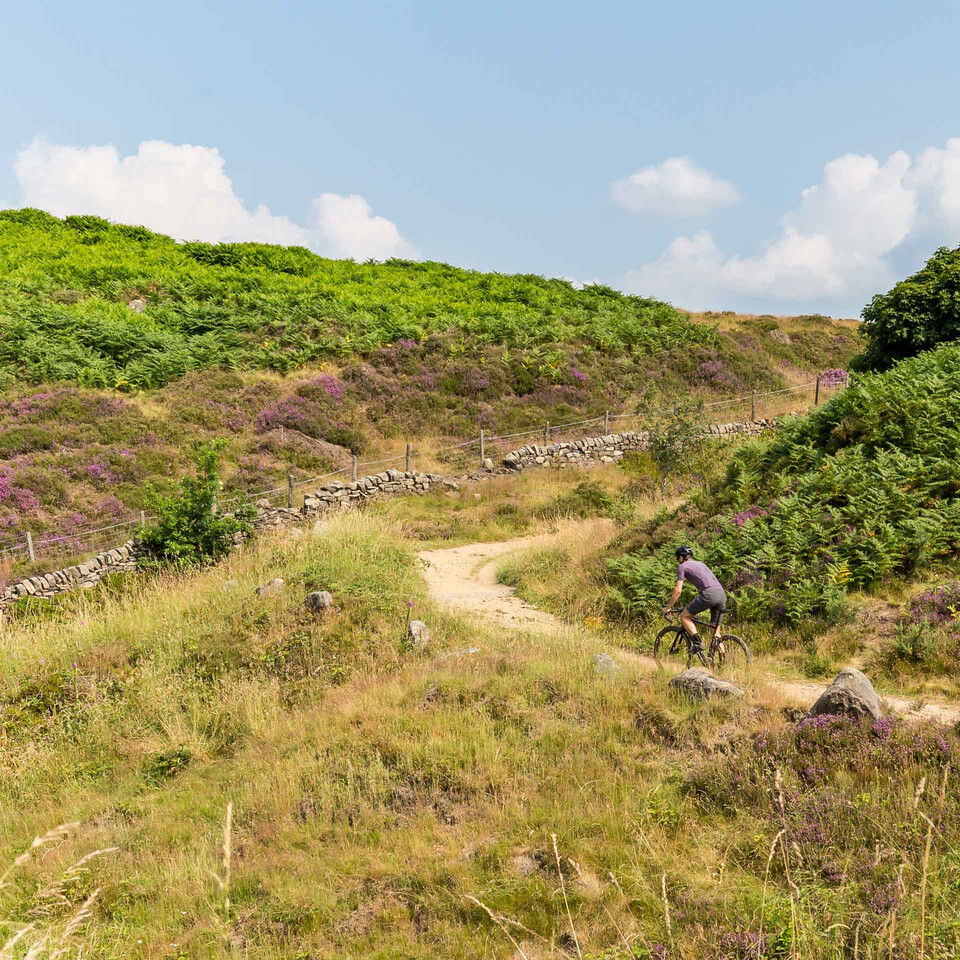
x,y
464,578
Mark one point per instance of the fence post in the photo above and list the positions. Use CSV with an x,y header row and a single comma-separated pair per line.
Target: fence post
x,y
353,467
753,405
408,457
483,448
143,518
289,489
816,392
606,422
30,553
546,434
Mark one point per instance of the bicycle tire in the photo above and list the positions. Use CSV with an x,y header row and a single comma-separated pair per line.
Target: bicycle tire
x,y
677,646
735,654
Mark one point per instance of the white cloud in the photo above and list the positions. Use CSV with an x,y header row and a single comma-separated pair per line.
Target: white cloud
x,y
838,245
675,187
183,190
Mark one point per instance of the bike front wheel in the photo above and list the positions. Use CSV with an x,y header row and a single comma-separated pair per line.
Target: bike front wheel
x,y
672,642
729,652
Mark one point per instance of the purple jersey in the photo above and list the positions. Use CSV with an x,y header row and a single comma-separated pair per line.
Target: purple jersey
x,y
699,574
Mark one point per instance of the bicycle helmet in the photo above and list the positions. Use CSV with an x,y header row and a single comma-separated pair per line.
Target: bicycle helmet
x,y
684,553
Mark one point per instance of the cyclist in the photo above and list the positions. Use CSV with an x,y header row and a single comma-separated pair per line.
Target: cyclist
x,y
710,595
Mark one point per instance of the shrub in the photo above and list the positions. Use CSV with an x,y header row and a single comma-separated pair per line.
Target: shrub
x,y
187,528
915,315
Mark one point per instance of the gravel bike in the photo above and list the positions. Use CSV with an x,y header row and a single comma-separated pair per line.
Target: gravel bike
x,y
673,641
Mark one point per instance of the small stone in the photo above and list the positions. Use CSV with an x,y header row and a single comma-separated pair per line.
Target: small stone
x,y
697,684
319,601
523,866
229,585
476,496
605,665
274,586
851,694
488,464
418,634
137,306
263,504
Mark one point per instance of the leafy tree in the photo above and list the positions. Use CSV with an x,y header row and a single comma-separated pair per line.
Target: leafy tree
x,y
188,529
674,431
917,314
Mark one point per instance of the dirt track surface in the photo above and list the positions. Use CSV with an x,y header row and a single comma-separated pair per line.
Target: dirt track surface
x,y
465,579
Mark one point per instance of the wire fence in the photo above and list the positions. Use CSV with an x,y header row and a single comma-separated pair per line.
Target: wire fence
x,y
755,406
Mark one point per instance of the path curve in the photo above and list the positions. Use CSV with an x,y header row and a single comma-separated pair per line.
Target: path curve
x,y
465,579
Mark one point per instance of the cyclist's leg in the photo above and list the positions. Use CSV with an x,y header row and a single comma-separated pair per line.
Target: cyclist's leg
x,y
718,607
695,606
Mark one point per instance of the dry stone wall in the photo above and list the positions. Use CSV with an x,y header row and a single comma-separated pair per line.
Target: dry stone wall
x,y
341,495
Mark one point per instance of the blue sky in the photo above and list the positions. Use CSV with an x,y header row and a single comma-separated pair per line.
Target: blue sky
x,y
494,137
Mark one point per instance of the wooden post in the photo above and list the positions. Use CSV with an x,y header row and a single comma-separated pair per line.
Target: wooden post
x,y
408,457
816,392
30,553
289,489
143,518
483,449
606,422
753,405
546,434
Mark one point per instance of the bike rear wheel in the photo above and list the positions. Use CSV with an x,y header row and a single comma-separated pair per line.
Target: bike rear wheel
x,y
729,652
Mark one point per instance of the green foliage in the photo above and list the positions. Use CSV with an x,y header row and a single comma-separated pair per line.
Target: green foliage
x,y
917,314
674,433
65,285
865,488
187,528
587,499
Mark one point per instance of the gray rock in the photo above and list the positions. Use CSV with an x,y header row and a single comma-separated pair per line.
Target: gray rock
x,y
605,665
229,585
263,504
137,306
698,684
850,694
418,634
523,866
319,601
274,586
488,464
780,336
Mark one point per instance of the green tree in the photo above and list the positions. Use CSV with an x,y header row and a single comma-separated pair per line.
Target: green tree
x,y
915,315
188,528
675,434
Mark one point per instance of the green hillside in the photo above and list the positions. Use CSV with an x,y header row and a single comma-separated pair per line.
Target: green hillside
x,y
302,361
861,491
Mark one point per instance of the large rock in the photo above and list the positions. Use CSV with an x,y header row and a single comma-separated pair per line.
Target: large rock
x,y
320,601
698,684
851,694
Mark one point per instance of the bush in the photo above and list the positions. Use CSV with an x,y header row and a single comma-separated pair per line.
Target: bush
x,y
917,314
187,528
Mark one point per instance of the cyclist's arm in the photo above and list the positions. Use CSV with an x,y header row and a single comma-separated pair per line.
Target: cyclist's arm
x,y
677,590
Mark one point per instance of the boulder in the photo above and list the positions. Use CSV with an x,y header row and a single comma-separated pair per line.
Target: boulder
x,y
319,601
851,694
698,684
605,665
274,586
418,634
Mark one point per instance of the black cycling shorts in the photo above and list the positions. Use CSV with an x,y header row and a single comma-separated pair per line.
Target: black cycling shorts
x,y
712,599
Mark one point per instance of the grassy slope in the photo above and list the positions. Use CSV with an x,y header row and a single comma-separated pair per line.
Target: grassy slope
x,y
301,360
376,790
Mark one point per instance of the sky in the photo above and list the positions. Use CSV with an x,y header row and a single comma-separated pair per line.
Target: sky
x,y
778,158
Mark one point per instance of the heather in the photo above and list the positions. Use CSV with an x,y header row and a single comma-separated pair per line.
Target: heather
x,y
864,489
